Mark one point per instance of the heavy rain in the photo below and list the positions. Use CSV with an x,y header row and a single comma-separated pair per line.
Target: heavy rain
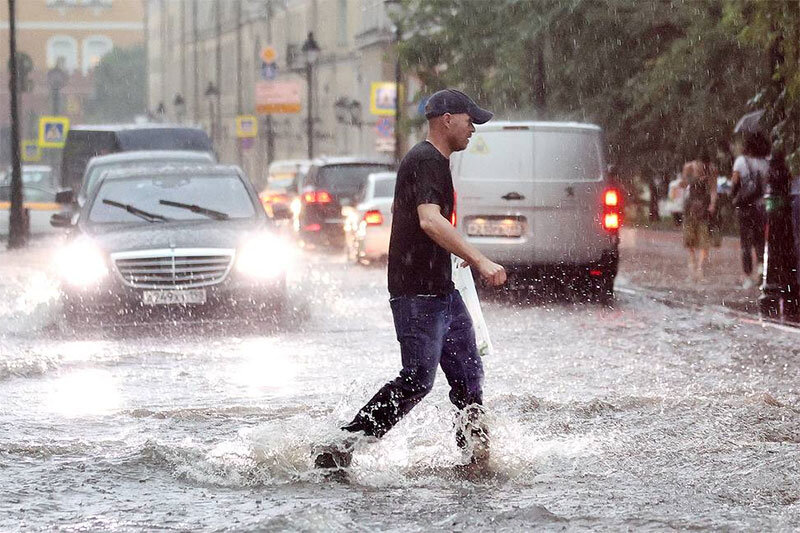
x,y
234,292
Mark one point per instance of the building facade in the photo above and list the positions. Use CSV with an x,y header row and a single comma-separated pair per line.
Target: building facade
x,y
71,34
205,60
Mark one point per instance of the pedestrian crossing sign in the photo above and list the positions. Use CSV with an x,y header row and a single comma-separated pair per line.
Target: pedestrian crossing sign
x,y
53,131
246,126
31,152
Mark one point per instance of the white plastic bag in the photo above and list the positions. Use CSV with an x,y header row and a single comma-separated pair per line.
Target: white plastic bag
x,y
462,279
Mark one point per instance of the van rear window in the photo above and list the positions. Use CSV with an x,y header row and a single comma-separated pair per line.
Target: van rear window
x,y
502,155
533,155
567,156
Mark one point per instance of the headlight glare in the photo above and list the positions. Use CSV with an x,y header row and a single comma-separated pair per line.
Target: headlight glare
x,y
81,263
264,257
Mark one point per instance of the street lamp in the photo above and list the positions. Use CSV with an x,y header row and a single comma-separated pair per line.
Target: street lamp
x,y
211,93
180,107
394,9
310,51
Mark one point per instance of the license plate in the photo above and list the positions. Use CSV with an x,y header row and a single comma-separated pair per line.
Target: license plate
x,y
174,297
507,227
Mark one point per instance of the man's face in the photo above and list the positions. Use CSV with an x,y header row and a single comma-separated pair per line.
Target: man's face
x,y
460,129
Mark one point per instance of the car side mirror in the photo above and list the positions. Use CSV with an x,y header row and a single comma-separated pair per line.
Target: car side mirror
x,y
61,220
64,196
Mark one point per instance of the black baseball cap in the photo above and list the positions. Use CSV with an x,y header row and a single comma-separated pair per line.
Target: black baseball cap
x,y
455,102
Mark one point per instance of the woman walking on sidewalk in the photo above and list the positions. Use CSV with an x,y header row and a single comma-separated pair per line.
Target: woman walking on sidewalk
x,y
749,172
700,200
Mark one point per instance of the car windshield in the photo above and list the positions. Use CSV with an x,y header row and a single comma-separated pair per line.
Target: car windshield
x,y
384,188
283,178
168,196
97,170
347,180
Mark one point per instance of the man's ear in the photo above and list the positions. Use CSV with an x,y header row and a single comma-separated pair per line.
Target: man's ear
x,y
446,119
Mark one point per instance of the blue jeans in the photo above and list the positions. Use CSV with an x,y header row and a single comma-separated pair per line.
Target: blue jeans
x,y
432,331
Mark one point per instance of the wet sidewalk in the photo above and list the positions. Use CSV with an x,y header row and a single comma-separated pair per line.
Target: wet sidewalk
x,y
657,260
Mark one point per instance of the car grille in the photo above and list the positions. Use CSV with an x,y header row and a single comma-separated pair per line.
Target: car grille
x,y
173,268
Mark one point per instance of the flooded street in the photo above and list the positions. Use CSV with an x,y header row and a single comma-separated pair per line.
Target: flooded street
x,y
644,416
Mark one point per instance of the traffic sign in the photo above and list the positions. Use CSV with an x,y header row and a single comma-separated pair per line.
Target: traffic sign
x,y
382,98
268,71
31,152
53,131
273,97
246,126
268,54
385,127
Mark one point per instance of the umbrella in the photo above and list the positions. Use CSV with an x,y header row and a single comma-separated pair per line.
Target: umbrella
x,y
750,123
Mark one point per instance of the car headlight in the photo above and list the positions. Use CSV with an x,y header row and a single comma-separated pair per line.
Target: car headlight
x,y
81,263
264,257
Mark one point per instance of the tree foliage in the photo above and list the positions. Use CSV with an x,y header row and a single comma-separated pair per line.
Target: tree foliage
x,y
120,89
665,79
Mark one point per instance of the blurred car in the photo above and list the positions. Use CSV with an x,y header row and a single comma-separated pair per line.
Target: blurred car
x,y
87,141
40,203
35,175
534,196
186,237
136,159
368,225
331,183
281,190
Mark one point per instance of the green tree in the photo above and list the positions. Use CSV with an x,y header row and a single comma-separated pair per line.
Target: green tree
x,y
119,86
774,27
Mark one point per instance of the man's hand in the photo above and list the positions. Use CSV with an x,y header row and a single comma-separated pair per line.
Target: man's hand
x,y
492,273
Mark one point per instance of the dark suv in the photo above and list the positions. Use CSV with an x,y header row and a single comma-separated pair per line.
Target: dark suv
x,y
329,185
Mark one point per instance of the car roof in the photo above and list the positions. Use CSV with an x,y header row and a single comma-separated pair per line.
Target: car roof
x,y
536,125
345,160
382,176
149,154
171,170
129,127
290,162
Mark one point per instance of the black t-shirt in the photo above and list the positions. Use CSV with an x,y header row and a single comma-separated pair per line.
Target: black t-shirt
x,y
417,265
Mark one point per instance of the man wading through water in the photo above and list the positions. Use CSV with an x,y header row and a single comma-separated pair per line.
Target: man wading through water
x,y
431,321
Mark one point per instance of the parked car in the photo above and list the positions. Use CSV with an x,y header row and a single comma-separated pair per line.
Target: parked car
x,y
136,159
35,175
85,142
368,224
186,237
331,183
533,196
280,192
40,203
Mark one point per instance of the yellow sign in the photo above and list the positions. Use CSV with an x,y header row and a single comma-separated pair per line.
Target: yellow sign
x,y
30,151
268,54
246,126
53,131
382,98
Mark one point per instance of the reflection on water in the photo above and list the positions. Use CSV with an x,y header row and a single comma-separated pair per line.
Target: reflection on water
x,y
84,393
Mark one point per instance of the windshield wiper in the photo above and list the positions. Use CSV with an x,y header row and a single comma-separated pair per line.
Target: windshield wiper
x,y
148,216
216,215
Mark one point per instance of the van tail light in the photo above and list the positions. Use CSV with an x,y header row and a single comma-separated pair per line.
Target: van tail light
x,y
373,218
612,210
611,221
453,217
272,198
317,197
611,198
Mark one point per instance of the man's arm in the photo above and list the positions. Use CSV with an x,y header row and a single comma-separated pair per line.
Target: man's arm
x,y
445,235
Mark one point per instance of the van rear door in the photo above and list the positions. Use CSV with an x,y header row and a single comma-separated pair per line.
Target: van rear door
x,y
567,195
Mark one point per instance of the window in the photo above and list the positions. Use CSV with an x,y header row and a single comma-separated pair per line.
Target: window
x,y
94,48
62,47
343,34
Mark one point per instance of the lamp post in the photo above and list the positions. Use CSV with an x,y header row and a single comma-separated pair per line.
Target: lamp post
x,y
180,107
394,8
211,93
311,53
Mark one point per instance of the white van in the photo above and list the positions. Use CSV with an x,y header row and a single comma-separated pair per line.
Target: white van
x,y
533,197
